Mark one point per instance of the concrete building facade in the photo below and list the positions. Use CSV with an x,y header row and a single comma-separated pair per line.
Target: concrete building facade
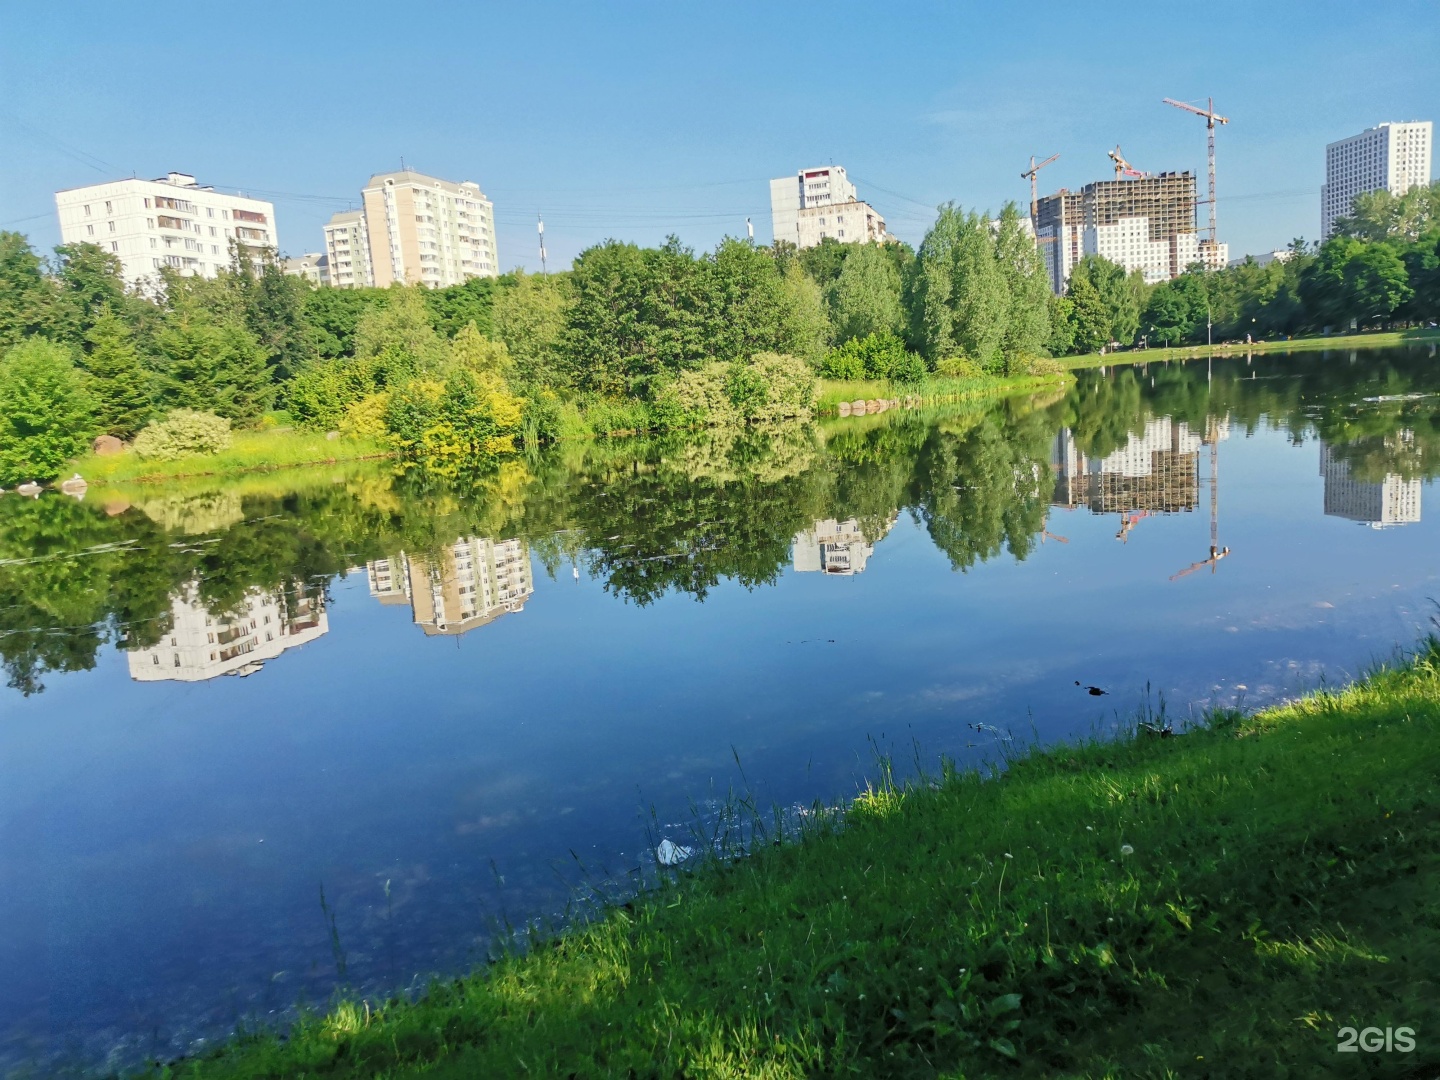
x,y
427,231
347,250
203,646
1390,157
807,190
170,222
846,222
1157,471
1145,224
313,266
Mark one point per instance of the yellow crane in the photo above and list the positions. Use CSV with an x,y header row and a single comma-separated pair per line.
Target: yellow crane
x,y
1211,119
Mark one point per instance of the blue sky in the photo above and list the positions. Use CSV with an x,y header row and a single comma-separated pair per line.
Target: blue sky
x,y
635,120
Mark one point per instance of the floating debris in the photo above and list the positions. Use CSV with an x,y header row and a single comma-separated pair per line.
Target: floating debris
x,y
670,853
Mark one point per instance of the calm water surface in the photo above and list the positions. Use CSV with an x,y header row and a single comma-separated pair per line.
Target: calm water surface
x,y
450,704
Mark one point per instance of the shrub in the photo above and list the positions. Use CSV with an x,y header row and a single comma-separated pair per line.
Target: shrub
x,y
366,418
466,417
788,387
700,396
959,366
183,433
46,412
874,356
908,368
1043,366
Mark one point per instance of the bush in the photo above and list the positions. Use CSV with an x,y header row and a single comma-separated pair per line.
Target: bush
x,y
366,418
701,396
183,433
788,387
875,356
959,366
1043,366
46,412
908,368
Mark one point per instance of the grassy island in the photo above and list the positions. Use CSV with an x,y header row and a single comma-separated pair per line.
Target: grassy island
x,y
1219,902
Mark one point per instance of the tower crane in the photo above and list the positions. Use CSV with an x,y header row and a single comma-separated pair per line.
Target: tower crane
x,y
1211,119
1123,168
1216,551
1029,174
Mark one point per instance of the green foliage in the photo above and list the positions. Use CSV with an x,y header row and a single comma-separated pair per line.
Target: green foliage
x,y
399,338
183,433
866,296
29,301
46,411
529,316
213,364
464,420
472,302
117,378
875,356
1116,297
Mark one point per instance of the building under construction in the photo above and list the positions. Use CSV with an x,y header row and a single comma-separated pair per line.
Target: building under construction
x,y
1156,471
1146,224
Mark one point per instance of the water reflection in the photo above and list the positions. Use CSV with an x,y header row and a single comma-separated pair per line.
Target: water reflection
x,y
836,547
1394,500
470,583
201,645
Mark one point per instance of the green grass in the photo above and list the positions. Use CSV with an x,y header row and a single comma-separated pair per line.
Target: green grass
x,y
932,390
1218,903
1375,340
251,451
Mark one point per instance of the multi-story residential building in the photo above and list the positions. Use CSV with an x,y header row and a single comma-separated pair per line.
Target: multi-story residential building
x,y
835,547
1390,157
818,203
471,583
312,266
1392,501
173,221
203,646
1265,258
347,250
428,231
1145,224
846,222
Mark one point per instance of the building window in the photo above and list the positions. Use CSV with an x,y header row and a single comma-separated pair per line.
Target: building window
x,y
87,209
114,245
152,242
108,208
89,230
155,659
147,204
112,226
210,212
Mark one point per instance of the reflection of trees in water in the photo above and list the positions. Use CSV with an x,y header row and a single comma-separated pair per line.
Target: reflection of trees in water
x,y
670,513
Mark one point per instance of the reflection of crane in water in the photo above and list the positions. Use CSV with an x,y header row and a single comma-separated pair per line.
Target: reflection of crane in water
x,y
1128,520
1045,532
1212,431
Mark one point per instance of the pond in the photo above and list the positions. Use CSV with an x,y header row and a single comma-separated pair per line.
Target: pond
x,y
341,727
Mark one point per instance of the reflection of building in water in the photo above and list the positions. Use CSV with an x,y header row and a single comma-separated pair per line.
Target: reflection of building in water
x,y
201,646
472,582
1156,471
1392,501
835,547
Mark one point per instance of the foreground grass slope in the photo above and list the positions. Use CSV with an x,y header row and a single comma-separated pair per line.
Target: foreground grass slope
x,y
1219,903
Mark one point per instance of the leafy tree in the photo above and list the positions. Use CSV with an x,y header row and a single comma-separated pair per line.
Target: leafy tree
x,y
529,317
332,315
273,307
29,302
117,377
807,327
866,297
1376,283
1380,215
46,412
1115,293
398,337
1089,317
457,306
480,355
91,283
1176,310
824,262
1027,328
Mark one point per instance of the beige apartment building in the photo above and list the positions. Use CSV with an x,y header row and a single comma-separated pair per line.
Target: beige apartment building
x,y
427,231
347,250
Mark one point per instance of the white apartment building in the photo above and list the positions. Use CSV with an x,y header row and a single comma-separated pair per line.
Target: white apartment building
x,y
347,250
1389,156
1265,258
312,266
202,646
428,231
173,221
1127,243
1392,501
807,189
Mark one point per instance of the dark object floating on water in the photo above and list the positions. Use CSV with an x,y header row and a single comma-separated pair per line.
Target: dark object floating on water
x,y
1093,691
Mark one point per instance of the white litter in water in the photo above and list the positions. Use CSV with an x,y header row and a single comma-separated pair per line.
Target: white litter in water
x,y
672,854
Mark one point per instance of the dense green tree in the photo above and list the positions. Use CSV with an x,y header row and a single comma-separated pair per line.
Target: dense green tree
x,y
824,262
529,317
332,315
1380,215
398,336
866,298
273,307
213,365
91,282
807,326
1376,283
29,302
1176,311
118,379
457,306
46,411
1027,325
1116,294
1088,314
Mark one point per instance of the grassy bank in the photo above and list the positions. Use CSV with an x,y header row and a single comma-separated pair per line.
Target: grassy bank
x,y
251,451
1375,340
1217,903
932,390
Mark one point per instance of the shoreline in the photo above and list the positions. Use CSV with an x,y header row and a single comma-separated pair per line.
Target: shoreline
x,y
1376,340
1238,892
